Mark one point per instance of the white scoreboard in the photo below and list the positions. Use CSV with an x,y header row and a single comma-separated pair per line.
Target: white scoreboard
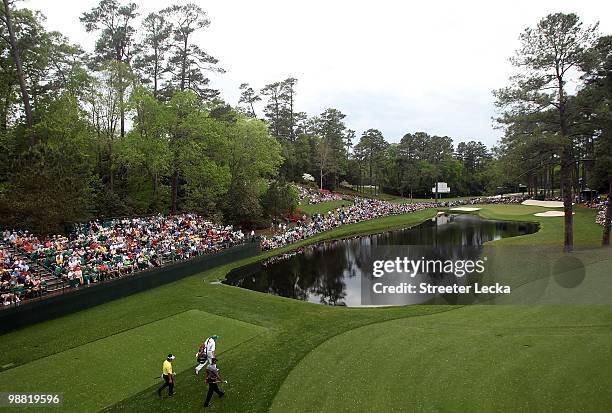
x,y
443,188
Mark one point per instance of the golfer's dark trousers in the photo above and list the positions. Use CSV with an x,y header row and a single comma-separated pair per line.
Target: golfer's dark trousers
x,y
167,383
212,388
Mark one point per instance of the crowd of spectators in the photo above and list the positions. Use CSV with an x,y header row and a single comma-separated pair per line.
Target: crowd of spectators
x,y
601,212
363,210
600,204
601,216
17,279
281,257
484,200
102,250
309,195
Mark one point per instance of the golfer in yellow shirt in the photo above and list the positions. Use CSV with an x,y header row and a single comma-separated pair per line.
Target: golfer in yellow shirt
x,y
167,375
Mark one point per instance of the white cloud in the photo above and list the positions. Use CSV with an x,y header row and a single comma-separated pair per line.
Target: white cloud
x,y
395,66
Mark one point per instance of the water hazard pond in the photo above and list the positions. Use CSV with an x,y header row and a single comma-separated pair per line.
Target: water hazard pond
x,y
332,272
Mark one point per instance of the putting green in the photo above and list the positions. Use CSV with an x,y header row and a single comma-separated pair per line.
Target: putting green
x,y
105,371
476,358
508,210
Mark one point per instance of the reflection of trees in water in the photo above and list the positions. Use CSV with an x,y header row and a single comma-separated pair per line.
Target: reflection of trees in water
x,y
329,284
322,269
286,280
466,230
318,272
359,255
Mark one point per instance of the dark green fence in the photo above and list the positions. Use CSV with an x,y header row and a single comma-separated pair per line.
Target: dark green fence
x,y
47,308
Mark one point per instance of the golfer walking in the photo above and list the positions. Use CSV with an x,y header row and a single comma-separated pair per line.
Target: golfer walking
x,y
167,375
206,352
212,378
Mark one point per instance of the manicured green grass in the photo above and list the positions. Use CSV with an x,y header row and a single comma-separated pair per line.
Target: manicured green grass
x,y
535,262
290,333
103,372
586,233
495,210
488,359
323,207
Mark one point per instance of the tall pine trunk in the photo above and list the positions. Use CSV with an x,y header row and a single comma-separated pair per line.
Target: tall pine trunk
x,y
110,166
25,97
567,166
566,188
155,185
5,110
321,178
155,73
184,64
122,114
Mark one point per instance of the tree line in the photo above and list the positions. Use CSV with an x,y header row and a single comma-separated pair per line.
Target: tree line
x,y
324,147
135,127
131,128
556,112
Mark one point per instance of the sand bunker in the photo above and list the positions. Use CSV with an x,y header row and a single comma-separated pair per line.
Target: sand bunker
x,y
550,214
545,204
465,209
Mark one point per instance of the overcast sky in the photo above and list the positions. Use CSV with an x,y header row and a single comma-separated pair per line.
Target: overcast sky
x,y
397,66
